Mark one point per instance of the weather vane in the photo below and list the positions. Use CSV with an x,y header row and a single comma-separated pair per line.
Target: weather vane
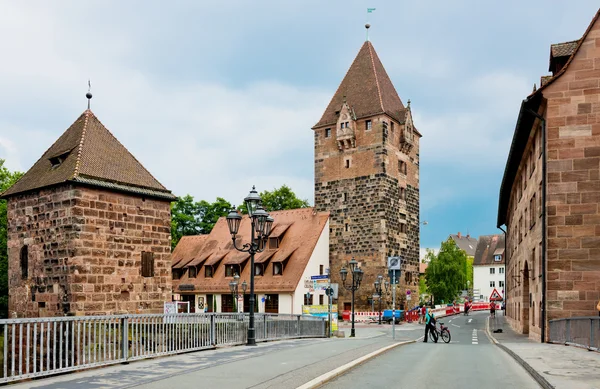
x,y
89,93
367,26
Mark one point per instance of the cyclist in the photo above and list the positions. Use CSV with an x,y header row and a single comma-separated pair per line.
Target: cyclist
x,y
467,307
430,326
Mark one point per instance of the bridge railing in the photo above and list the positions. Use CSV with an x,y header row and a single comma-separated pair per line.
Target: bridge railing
x,y
576,331
44,346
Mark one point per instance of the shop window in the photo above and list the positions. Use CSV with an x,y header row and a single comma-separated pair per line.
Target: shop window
x,y
272,303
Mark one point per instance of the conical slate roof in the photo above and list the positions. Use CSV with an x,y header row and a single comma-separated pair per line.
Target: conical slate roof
x,y
367,89
88,153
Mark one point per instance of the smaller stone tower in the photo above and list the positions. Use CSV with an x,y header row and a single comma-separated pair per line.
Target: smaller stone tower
x,y
88,230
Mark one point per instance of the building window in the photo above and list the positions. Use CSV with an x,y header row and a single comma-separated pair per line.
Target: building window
x,y
272,303
492,284
308,299
368,125
347,164
402,167
501,284
258,269
403,228
193,272
392,123
492,270
321,299
321,270
24,262
231,270
501,270
328,133
277,268
342,125
345,197
347,228
147,264
497,258
520,229
208,271
402,193
532,160
273,243
532,213
176,274
227,304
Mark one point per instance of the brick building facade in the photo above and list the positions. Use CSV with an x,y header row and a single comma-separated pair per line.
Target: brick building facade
x,y
550,193
88,230
367,177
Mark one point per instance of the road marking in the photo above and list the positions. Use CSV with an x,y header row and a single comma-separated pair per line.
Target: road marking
x,y
449,321
455,325
470,320
474,339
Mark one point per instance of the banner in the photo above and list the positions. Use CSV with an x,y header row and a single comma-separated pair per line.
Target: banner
x,y
321,311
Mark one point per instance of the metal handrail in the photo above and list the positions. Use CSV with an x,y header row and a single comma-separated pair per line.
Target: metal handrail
x,y
36,347
576,331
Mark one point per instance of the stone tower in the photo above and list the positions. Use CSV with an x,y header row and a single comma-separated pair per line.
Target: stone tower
x,y
88,230
367,177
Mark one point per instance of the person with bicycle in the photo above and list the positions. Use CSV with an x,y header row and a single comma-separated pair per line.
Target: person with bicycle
x,y
430,326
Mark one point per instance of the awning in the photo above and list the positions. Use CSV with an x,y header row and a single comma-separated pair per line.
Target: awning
x,y
264,256
236,258
282,255
279,230
216,257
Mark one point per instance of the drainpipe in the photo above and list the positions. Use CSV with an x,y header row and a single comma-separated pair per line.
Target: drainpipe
x,y
544,163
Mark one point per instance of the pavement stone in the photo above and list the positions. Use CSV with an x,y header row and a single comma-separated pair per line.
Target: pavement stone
x,y
553,366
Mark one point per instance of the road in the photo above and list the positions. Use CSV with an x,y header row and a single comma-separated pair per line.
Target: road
x,y
470,360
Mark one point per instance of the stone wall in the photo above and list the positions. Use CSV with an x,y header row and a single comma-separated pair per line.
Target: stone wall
x,y
365,205
85,247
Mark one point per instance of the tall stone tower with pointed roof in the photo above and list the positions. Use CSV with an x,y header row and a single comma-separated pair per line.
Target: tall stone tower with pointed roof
x,y
367,177
88,230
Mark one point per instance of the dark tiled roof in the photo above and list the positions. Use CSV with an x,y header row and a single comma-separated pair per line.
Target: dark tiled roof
x,y
90,155
367,88
296,246
487,247
544,80
466,243
565,49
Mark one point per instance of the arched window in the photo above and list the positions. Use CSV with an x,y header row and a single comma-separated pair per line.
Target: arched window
x,y
24,262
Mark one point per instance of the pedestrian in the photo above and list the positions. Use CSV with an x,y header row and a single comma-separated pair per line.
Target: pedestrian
x,y
598,307
493,309
430,326
423,312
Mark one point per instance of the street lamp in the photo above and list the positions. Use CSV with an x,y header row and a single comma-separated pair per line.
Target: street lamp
x,y
261,224
378,289
357,275
233,286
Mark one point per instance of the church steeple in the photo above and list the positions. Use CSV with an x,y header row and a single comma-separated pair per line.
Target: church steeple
x,y
367,88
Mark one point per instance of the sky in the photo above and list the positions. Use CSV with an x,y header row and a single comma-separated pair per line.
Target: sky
x,y
214,97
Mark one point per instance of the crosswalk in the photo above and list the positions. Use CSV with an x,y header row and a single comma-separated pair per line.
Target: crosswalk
x,y
474,339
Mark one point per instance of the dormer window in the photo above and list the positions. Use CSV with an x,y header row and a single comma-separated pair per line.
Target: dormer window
x,y
497,258
258,269
273,243
193,272
57,160
277,268
231,270
208,271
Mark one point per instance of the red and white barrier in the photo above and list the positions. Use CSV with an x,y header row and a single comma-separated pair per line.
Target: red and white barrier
x,y
413,316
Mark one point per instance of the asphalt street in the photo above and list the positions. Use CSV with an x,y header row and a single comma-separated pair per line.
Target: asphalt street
x,y
470,360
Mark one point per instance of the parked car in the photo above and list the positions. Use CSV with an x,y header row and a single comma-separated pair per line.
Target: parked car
x,y
387,316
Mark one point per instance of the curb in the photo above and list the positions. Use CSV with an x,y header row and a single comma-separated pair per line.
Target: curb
x,y
532,372
323,378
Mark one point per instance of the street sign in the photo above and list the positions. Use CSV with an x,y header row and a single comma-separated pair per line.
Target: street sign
x,y
391,275
408,297
495,296
394,263
335,288
408,292
320,277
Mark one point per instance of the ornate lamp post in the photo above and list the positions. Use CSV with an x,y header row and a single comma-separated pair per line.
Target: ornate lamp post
x,y
233,286
379,290
261,224
357,275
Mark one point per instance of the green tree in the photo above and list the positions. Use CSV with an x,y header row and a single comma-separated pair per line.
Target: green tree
x,y
7,179
446,273
278,200
189,217
469,271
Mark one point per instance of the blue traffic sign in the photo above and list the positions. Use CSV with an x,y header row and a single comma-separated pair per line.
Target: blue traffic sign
x,y
321,277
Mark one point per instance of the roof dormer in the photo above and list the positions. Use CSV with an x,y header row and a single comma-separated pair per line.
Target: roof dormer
x,y
346,125
560,54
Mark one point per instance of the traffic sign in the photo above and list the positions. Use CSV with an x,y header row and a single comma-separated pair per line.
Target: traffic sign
x,y
495,296
321,277
408,292
394,263
391,275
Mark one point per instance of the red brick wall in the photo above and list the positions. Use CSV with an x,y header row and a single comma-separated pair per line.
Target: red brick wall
x,y
85,248
573,124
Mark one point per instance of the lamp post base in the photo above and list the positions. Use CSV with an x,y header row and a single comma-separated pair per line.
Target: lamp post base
x,y
251,337
352,333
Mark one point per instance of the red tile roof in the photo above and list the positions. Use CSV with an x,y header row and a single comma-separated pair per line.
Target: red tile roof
x,y
367,89
90,154
565,49
296,245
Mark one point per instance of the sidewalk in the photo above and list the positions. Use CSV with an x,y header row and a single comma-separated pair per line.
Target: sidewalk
x,y
553,366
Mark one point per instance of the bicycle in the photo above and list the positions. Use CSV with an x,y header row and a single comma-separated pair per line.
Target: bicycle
x,y
443,332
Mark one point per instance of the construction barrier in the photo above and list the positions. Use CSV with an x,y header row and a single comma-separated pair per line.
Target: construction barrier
x,y
413,316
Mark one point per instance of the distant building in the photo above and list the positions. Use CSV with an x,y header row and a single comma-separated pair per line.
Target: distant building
x,y
488,267
298,248
367,176
553,219
88,230
466,243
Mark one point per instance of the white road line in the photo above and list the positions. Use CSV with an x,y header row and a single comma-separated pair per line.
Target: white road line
x,y
455,325
470,320
449,321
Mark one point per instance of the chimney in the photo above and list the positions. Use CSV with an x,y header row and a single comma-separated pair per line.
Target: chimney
x,y
468,236
458,234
